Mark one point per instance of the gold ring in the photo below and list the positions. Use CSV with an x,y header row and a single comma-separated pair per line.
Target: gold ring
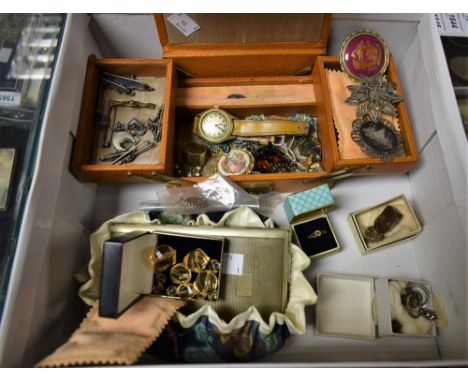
x,y
317,233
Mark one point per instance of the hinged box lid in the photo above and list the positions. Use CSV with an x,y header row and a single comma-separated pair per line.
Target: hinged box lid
x,y
126,272
230,45
309,203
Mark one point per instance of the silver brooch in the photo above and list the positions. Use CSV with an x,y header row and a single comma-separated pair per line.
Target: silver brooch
x,y
415,299
373,97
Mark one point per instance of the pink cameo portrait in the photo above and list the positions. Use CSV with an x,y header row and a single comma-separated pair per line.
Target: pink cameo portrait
x,y
364,54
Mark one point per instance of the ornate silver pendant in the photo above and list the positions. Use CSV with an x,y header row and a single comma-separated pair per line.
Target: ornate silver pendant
x,y
378,139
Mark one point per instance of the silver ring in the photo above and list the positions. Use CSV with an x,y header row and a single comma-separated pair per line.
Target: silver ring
x,y
123,141
421,290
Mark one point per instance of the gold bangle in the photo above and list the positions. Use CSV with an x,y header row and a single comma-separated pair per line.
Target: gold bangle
x,y
180,274
185,291
165,257
196,260
205,283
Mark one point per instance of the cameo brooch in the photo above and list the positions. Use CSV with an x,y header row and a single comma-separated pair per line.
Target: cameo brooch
x,y
237,162
364,53
377,139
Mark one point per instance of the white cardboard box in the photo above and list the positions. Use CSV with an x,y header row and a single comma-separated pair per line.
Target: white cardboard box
x,y
42,308
361,307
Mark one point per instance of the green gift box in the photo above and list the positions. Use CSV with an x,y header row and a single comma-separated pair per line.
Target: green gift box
x,y
302,204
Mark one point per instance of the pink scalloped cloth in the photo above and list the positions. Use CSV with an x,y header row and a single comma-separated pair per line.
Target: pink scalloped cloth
x,y
344,114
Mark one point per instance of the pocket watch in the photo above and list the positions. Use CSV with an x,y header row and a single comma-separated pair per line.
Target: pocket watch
x,y
216,125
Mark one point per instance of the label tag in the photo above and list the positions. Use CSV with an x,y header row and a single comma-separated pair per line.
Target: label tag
x,y
8,98
233,264
183,23
452,24
5,54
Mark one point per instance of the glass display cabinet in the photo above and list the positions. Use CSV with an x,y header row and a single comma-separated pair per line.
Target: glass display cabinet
x,y
28,48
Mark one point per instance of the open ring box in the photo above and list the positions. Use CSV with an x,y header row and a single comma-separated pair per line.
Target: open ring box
x,y
366,308
407,227
134,264
311,228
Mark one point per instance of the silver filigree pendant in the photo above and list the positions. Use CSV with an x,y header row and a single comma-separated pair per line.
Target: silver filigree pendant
x,y
377,139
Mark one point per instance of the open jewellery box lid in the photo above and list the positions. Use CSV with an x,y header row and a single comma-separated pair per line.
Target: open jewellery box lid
x,y
238,45
355,306
126,272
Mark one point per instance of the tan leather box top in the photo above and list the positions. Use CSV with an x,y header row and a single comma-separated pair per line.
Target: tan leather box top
x,y
232,45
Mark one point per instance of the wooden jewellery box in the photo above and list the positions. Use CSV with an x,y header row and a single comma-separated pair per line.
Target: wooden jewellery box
x,y
239,63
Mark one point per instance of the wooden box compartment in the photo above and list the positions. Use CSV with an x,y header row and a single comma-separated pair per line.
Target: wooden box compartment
x,y
88,143
280,96
367,165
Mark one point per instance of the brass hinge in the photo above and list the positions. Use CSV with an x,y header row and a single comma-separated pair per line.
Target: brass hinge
x,y
184,72
257,188
339,174
170,181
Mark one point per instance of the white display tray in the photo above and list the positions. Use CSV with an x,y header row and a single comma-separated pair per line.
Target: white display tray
x,y
42,308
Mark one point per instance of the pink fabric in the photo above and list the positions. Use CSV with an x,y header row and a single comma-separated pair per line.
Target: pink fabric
x,y
344,114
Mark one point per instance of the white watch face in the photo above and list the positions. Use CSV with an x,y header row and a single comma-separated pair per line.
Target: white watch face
x,y
215,125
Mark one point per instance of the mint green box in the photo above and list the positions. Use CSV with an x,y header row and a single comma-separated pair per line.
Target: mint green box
x,y
306,203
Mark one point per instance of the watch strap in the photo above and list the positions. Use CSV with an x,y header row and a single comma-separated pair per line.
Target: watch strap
x,y
255,128
196,127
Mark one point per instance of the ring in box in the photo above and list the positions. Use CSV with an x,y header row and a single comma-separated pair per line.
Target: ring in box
x,y
255,266
316,237
366,307
384,224
171,265
311,228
